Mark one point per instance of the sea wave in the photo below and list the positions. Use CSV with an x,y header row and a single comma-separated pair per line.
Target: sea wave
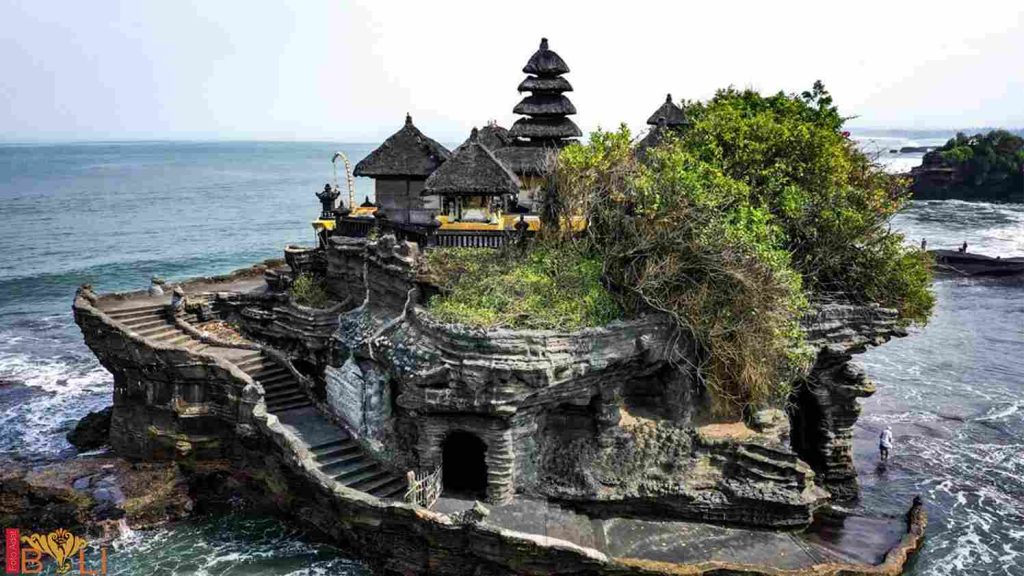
x,y
41,399
230,545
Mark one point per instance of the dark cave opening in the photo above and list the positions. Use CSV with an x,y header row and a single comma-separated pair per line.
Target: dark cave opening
x,y
805,418
464,465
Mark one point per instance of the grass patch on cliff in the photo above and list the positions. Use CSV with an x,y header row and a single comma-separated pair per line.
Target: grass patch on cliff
x,y
545,288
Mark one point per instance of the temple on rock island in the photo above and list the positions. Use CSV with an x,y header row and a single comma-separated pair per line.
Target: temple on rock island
x,y
373,422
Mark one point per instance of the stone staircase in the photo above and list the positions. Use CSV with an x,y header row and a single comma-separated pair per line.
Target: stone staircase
x,y
152,322
344,460
281,390
337,453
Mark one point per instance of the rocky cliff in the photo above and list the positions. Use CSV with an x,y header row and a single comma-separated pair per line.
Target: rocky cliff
x,y
825,403
593,418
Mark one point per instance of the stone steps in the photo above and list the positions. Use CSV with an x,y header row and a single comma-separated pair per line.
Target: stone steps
x,y
330,445
268,372
159,331
275,381
395,489
345,461
255,364
339,462
285,396
144,322
356,471
121,314
342,458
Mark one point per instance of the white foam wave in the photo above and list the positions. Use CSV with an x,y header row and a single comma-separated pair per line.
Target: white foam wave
x,y
1001,412
58,393
53,375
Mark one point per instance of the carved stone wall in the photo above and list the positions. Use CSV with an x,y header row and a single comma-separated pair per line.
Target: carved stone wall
x,y
379,271
359,397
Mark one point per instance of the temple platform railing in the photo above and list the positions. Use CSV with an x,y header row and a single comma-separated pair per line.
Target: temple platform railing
x,y
423,490
427,236
355,227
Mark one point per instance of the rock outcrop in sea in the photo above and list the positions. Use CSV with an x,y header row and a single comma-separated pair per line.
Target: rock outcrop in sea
x,y
348,420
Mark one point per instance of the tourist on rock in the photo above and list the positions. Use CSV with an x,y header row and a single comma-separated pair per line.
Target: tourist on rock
x,y
885,443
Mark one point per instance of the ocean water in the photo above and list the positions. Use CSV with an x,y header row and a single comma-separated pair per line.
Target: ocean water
x,y
115,214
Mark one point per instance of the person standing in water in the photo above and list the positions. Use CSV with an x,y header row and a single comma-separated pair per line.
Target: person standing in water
x,y
885,443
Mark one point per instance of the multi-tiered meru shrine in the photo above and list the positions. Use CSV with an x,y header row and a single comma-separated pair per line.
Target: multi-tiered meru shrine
x,y
487,190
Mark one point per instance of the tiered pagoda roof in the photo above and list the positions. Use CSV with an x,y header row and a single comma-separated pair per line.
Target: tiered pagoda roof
x,y
472,171
546,108
408,153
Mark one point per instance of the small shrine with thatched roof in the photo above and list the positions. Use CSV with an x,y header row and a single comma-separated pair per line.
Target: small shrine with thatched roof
x,y
473,185
400,167
668,117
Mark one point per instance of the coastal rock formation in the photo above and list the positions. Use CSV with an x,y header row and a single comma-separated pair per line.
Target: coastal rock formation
x,y
99,494
981,167
825,403
594,419
93,431
722,473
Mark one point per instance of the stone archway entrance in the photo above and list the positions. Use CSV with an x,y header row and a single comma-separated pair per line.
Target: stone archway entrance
x,y
464,465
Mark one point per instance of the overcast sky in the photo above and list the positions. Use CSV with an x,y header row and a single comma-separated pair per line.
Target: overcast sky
x,y
349,71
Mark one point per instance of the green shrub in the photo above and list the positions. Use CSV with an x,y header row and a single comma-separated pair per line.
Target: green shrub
x,y
831,201
678,236
308,290
991,165
732,226
545,288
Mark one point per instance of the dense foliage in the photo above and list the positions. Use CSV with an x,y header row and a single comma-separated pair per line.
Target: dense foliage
x,y
731,225
307,290
985,166
545,288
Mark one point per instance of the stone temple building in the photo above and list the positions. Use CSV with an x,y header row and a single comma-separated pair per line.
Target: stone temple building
x,y
402,164
473,185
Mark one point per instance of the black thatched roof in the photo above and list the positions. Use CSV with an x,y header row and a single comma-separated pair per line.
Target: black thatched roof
x,y
545,105
407,153
545,62
545,128
535,84
673,115
492,136
527,160
472,170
